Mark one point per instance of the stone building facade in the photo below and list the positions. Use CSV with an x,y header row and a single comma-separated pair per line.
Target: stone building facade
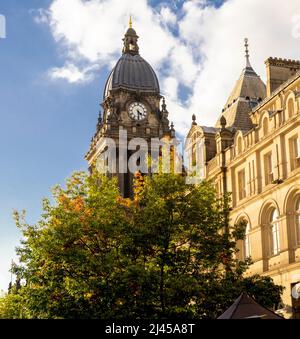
x,y
254,152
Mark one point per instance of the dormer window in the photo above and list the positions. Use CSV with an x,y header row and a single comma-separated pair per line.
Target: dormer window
x,y
290,107
239,145
265,126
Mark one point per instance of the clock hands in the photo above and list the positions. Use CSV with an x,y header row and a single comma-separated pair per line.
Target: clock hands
x,y
139,114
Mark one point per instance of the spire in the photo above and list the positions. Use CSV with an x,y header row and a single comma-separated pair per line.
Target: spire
x,y
99,124
173,133
164,105
130,21
247,53
223,122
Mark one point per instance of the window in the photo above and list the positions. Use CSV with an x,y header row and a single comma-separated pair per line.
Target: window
x,y
274,233
196,136
294,153
265,126
239,145
297,221
242,184
218,188
247,245
268,168
194,159
290,107
250,179
197,152
253,173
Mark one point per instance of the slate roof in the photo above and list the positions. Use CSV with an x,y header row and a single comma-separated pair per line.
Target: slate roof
x,y
248,85
246,307
248,91
211,130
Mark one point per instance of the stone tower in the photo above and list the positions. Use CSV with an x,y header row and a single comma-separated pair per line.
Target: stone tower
x,y
132,104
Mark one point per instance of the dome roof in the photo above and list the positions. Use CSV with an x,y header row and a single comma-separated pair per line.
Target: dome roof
x,y
132,72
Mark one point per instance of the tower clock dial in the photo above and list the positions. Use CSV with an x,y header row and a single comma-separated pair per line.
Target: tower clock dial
x,y
137,111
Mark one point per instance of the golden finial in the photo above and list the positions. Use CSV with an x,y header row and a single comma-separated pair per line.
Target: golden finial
x,y
130,22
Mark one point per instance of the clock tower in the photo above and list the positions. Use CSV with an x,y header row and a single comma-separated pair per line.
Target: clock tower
x,y
134,109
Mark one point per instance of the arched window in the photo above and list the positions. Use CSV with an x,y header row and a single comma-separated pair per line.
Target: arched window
x,y
290,107
194,155
274,233
265,126
239,145
297,221
247,245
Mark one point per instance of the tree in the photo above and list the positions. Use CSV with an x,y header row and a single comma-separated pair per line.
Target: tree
x,y
162,254
11,306
184,233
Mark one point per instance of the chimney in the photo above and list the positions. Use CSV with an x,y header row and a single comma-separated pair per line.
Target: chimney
x,y
279,71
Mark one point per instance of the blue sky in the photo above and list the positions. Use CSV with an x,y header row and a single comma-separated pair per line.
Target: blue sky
x,y
46,125
58,53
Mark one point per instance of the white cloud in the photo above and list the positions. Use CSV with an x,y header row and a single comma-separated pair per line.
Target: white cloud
x,y
170,85
168,16
41,16
296,26
73,74
219,40
206,56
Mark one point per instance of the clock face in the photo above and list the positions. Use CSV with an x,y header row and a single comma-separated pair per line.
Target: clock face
x,y
137,111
